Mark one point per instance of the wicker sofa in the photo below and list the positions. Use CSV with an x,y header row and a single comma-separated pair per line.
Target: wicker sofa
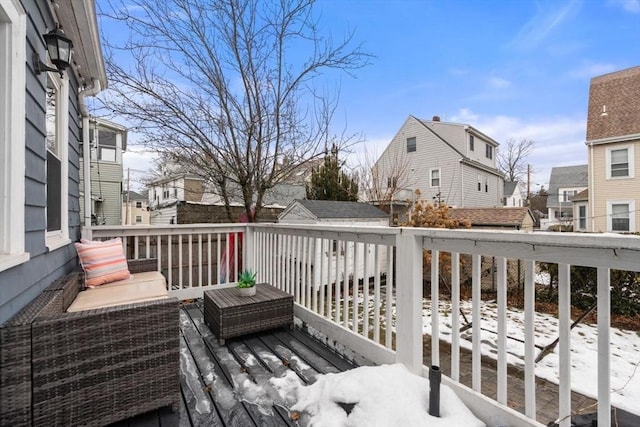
x,y
90,367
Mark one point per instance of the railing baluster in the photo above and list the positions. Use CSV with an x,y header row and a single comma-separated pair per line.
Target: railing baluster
x,y
180,282
310,259
501,264
170,260
356,287
199,259
365,292
529,342
455,316
190,240
476,379
388,328
376,295
329,276
564,353
147,239
136,251
159,251
604,350
339,289
435,310
236,249
345,299
323,263
218,258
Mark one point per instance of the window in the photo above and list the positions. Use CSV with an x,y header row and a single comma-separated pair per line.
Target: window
x,y
620,162
138,218
57,141
479,182
489,151
621,215
435,177
486,184
175,193
392,182
471,143
105,141
139,205
411,144
12,134
582,217
567,195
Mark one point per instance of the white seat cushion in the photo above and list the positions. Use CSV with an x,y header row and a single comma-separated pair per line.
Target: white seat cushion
x,y
147,286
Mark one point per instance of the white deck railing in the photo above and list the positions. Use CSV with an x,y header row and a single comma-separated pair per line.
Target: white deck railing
x,y
363,288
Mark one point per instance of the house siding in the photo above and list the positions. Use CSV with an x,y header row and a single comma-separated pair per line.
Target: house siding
x,y
106,182
22,283
458,181
605,190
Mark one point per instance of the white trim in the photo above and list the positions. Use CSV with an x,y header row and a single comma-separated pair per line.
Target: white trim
x,y
609,140
13,29
431,178
632,214
630,161
58,238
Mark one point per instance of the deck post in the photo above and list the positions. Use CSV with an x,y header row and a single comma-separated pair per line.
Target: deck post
x,y
249,248
604,350
409,301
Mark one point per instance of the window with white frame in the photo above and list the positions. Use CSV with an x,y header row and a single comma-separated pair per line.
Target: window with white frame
x,y
489,151
139,205
621,216
57,165
486,184
479,182
434,177
620,162
138,218
471,143
582,217
12,134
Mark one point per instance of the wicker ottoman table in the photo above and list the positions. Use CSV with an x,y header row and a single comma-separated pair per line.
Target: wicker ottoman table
x,y
230,315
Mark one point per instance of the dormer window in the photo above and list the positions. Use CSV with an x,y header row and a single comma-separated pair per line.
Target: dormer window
x,y
489,152
471,143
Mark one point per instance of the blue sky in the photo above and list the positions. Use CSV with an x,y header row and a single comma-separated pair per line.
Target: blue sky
x,y
511,68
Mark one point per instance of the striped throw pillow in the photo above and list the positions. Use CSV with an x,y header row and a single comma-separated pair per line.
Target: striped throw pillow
x,y
103,262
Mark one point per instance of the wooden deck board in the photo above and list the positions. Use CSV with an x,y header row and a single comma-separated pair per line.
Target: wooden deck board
x,y
212,376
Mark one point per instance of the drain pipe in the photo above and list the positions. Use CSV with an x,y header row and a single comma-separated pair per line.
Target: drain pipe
x,y
435,376
86,152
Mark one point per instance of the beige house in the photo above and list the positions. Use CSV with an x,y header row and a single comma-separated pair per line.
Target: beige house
x,y
613,141
135,209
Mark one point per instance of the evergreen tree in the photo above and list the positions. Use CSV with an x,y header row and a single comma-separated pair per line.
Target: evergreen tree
x,y
329,182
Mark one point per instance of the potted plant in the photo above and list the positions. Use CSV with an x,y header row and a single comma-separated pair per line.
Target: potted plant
x,y
246,283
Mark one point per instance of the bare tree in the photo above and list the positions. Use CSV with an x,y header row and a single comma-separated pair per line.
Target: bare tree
x,y
227,87
512,158
384,180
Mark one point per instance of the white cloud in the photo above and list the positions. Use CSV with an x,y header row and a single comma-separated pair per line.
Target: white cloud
x,y
559,140
541,25
592,69
499,83
631,6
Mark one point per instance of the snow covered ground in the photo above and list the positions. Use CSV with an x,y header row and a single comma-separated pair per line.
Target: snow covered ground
x,y
625,350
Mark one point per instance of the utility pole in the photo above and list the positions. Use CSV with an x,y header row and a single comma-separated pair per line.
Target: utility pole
x,y
528,184
126,221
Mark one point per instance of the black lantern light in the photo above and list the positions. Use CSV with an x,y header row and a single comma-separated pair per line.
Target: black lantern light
x,y
59,47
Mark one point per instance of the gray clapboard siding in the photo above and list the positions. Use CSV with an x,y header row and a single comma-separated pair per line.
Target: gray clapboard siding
x,y
22,283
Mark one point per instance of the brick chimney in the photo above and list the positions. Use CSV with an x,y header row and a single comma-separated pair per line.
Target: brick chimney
x,y
436,118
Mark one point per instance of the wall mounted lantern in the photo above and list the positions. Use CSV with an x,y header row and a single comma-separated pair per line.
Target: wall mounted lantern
x,y
59,47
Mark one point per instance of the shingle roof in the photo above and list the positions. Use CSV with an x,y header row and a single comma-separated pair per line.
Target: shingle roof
x,y
332,209
133,196
581,196
618,92
511,217
510,187
565,177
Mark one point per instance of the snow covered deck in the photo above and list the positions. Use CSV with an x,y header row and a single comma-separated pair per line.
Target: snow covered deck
x,y
325,267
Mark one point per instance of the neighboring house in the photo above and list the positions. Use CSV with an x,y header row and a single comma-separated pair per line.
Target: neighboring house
x,y
165,194
513,196
107,142
613,141
337,213
564,183
135,209
451,162
580,211
43,117
495,218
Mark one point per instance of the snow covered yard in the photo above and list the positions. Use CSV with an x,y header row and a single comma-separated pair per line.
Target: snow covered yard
x,y
625,349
